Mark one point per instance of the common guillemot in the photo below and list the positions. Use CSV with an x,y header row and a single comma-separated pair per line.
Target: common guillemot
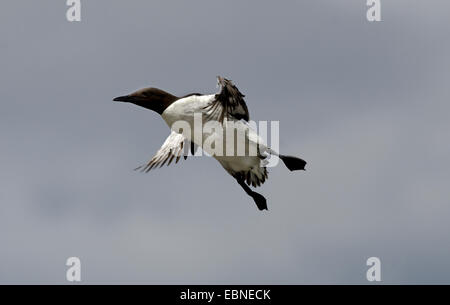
x,y
228,110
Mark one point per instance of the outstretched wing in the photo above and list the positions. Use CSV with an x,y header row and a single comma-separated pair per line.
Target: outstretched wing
x,y
173,148
229,102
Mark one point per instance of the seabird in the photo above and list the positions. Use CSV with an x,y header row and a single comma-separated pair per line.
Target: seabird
x,y
225,107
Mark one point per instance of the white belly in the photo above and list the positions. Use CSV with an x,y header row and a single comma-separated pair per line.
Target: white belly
x,y
182,112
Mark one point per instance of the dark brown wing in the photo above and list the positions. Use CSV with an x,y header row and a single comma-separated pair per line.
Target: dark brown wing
x,y
229,102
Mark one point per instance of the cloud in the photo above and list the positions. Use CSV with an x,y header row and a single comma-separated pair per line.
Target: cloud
x,y
364,104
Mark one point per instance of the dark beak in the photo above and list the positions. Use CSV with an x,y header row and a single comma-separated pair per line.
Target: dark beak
x,y
125,98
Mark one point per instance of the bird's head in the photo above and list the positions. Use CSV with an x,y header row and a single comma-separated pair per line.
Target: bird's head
x,y
151,98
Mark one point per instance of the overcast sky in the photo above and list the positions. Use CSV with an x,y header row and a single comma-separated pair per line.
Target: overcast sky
x,y
366,104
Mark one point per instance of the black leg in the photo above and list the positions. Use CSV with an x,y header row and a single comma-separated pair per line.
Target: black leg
x,y
192,148
259,199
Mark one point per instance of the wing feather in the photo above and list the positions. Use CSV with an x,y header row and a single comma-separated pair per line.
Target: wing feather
x,y
172,148
228,103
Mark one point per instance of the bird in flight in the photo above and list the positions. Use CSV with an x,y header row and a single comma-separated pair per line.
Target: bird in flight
x,y
229,113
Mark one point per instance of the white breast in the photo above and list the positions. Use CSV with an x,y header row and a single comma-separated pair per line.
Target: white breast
x,y
184,109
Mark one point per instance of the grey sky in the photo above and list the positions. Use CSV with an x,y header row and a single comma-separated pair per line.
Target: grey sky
x,y
366,104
